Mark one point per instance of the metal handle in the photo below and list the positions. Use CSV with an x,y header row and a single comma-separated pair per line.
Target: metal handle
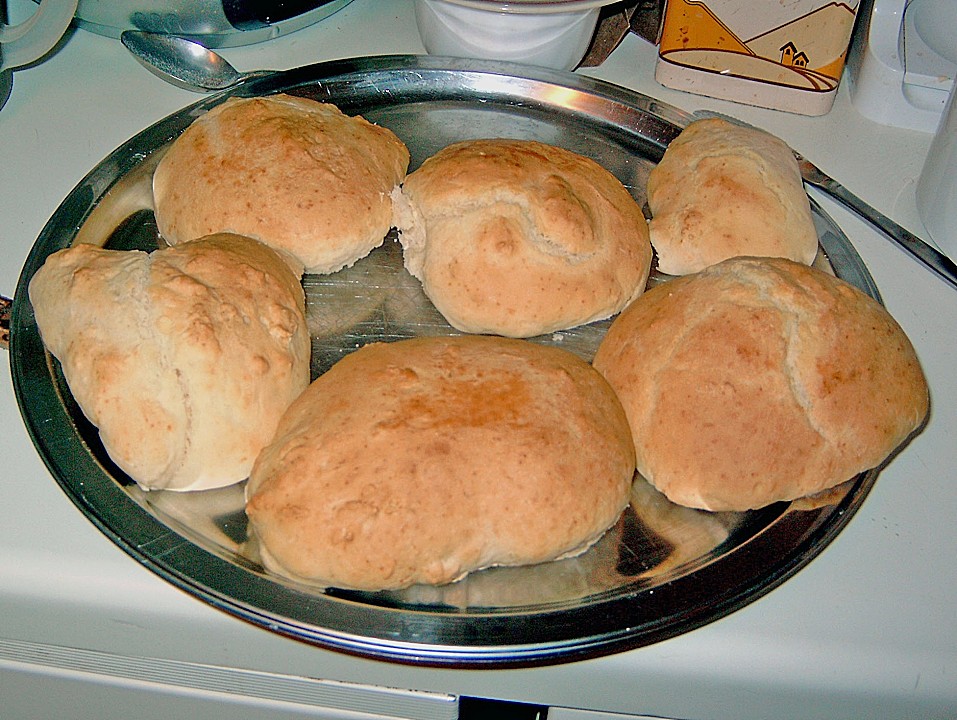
x,y
927,254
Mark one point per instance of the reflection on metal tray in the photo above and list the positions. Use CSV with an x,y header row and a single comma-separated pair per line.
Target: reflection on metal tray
x,y
662,570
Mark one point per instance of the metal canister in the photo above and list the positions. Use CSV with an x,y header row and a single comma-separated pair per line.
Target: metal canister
x,y
775,54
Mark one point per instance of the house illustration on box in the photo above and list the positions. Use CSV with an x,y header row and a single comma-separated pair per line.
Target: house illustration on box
x,y
790,56
787,54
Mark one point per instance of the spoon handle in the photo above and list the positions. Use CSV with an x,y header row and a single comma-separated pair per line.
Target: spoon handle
x,y
936,261
183,62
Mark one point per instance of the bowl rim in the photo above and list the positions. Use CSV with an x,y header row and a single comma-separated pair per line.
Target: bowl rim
x,y
528,7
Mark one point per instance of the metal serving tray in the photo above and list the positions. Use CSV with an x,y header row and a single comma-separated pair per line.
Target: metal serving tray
x,y
661,571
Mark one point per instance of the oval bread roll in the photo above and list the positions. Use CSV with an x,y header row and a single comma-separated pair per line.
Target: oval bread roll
x,y
296,174
421,460
760,380
519,238
721,191
184,359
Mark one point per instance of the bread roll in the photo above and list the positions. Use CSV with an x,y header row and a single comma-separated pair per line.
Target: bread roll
x,y
184,359
722,190
519,238
421,460
296,174
760,380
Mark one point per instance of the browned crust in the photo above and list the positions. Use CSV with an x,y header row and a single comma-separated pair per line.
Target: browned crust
x,y
184,359
421,460
760,380
294,173
520,238
722,190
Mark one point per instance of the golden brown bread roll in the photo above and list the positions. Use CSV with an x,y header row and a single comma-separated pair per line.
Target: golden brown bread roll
x,y
296,174
760,380
421,460
184,359
722,190
520,238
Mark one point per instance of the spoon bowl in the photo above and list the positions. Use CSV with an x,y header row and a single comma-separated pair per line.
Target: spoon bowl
x,y
184,62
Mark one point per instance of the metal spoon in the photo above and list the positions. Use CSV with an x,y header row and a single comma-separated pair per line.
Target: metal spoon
x,y
183,62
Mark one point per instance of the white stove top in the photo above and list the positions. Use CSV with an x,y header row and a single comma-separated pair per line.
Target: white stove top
x,y
868,629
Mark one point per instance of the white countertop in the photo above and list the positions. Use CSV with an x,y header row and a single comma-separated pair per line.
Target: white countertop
x,y
868,629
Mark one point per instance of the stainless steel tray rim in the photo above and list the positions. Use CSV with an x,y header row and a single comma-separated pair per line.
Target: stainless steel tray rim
x,y
611,621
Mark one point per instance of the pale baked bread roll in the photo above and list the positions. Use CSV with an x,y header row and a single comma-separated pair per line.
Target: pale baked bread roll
x,y
421,460
184,359
760,380
296,174
520,238
722,190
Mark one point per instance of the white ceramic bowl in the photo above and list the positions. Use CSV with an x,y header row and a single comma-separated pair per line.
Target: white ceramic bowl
x,y
548,33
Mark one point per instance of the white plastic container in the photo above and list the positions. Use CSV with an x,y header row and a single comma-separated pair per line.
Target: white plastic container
x,y
28,41
549,34
937,185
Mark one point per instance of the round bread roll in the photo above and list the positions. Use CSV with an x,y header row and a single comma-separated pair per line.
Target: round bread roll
x,y
421,460
184,359
759,380
721,191
296,174
519,238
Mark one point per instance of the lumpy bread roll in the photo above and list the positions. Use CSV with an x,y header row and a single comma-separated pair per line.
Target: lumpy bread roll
x,y
421,460
760,380
184,359
296,174
520,238
721,191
